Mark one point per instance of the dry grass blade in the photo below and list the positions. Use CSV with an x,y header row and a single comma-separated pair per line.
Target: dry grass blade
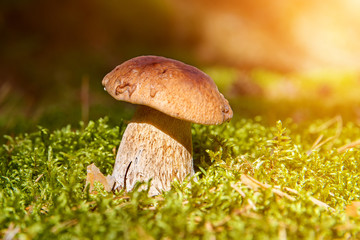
x,y
317,141
326,125
251,182
236,188
282,194
317,145
314,200
348,146
339,126
39,177
255,184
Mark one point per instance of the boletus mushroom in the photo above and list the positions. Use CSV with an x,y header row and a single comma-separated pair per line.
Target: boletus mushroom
x,y
157,142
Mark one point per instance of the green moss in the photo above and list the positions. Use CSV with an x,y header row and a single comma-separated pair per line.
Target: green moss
x,y
43,177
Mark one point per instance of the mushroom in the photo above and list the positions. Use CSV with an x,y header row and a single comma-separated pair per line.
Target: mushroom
x,y
157,142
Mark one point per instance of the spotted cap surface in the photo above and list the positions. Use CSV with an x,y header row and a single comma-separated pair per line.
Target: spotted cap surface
x,y
172,87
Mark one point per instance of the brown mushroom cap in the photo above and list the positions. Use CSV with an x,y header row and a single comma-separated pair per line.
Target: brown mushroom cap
x,y
172,87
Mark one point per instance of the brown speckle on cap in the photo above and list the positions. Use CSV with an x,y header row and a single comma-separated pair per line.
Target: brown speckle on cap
x,y
123,87
153,91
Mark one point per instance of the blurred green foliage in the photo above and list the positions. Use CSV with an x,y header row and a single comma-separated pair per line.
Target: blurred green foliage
x,y
271,95
47,48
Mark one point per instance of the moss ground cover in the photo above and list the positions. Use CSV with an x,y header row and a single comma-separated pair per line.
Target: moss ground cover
x,y
43,194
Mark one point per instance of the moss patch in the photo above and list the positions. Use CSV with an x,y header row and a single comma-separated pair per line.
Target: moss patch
x,y
43,177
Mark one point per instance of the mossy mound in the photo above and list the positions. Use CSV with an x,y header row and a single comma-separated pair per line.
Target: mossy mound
x,y
306,175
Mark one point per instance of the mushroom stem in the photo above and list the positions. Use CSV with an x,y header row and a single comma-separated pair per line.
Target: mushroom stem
x,y
154,146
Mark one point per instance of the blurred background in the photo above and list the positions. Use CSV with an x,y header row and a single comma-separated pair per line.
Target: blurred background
x,y
274,59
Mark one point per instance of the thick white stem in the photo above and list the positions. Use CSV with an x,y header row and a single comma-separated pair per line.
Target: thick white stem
x,y
154,146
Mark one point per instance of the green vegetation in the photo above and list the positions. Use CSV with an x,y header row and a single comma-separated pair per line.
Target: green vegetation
x,y
292,173
43,194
